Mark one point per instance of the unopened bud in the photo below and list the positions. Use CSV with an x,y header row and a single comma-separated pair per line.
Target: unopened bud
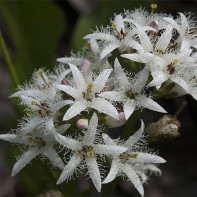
x,y
82,124
154,25
113,123
167,126
65,82
86,67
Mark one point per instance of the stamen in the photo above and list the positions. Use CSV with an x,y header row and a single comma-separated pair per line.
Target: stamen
x,y
90,86
171,67
40,73
89,47
90,154
41,107
160,51
129,156
153,6
117,32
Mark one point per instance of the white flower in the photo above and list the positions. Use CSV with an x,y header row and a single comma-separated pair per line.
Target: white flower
x,y
186,28
39,143
85,151
90,52
164,62
133,163
121,37
85,93
131,91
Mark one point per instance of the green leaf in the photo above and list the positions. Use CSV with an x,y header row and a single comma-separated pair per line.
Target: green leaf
x,y
35,28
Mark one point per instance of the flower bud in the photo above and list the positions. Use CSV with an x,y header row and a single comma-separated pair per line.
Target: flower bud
x,y
113,123
82,124
167,126
65,82
86,67
154,25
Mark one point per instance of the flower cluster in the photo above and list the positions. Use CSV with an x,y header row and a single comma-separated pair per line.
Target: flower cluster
x,y
90,92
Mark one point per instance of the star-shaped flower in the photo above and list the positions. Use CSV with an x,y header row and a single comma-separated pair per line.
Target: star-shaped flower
x,y
85,93
131,91
39,143
163,62
134,162
85,152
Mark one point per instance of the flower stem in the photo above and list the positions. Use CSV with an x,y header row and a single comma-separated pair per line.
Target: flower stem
x,y
8,60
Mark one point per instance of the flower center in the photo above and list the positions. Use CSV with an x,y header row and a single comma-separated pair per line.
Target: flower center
x,y
171,68
88,94
42,107
130,94
37,141
87,151
124,157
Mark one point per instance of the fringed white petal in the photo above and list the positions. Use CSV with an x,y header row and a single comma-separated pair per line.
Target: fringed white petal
x,y
112,173
129,107
75,109
105,107
108,140
112,95
109,149
94,172
69,168
135,137
101,36
69,90
89,135
108,49
133,178
101,80
52,155
24,160
148,103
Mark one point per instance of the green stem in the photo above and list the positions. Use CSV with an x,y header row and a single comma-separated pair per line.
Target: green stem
x,y
8,60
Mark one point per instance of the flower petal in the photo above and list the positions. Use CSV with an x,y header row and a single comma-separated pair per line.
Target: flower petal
x,y
112,95
108,49
78,77
108,140
135,137
69,168
181,83
129,107
75,109
147,158
24,160
75,61
109,149
120,75
149,104
112,173
69,90
89,135
136,57
133,178
105,107
52,155
101,36
94,172
164,40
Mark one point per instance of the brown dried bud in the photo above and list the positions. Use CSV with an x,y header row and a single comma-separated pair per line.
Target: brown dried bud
x,y
166,126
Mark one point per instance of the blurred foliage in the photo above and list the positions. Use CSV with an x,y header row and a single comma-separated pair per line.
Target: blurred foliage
x,y
34,28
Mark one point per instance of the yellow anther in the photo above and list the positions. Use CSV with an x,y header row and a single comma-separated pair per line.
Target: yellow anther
x,y
153,6
79,154
33,102
30,139
134,156
90,154
113,26
40,73
175,61
160,51
90,86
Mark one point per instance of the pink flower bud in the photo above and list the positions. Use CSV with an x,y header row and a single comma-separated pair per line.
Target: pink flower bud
x,y
82,124
86,67
112,122
65,82
154,26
